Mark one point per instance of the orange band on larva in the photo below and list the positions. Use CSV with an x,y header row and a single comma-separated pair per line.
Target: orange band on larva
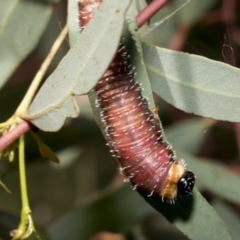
x,y
133,132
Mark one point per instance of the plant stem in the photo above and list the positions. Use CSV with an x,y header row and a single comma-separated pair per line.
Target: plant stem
x,y
22,173
14,134
26,222
24,105
26,226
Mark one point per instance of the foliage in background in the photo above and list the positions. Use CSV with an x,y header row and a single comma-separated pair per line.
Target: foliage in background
x,y
60,195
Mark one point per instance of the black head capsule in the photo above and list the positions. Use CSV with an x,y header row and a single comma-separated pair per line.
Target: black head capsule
x,y
186,183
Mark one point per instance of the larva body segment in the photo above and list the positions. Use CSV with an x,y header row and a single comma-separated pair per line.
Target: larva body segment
x,y
133,132
87,9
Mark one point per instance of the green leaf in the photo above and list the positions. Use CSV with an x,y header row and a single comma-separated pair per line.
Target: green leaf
x,y
45,151
214,177
72,22
230,217
133,45
21,26
110,212
80,69
193,216
189,134
194,84
115,210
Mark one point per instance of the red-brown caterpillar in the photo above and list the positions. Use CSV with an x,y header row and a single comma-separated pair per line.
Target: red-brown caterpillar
x,y
134,134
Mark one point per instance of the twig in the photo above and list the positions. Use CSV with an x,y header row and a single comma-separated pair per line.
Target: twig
x,y
22,109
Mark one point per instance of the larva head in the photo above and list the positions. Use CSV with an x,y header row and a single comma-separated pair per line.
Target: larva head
x,y
186,183
179,181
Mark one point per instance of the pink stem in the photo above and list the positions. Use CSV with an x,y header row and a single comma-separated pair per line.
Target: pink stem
x,y
14,134
149,11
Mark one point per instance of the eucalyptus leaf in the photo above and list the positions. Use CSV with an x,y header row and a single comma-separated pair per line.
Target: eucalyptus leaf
x,y
193,83
22,23
73,22
80,69
45,151
214,177
193,216
132,41
109,211
230,217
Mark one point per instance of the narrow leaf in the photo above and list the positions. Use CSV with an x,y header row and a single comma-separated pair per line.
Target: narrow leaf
x,y
229,215
80,69
110,211
73,22
45,151
21,25
133,44
193,216
214,177
194,84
